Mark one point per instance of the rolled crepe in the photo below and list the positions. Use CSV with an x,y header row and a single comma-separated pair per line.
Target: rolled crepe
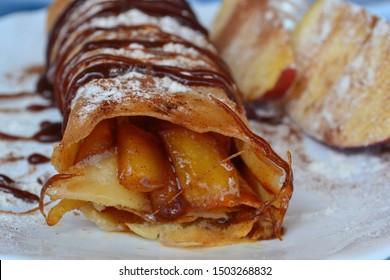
x,y
155,139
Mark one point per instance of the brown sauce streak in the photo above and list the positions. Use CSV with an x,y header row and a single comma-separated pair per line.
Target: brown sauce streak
x,y
66,85
179,9
34,70
38,159
123,64
22,94
11,158
9,186
117,44
50,132
39,107
55,178
23,74
68,80
44,88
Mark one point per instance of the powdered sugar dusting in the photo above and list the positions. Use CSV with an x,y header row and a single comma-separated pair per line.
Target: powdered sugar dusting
x,y
136,46
172,86
352,59
342,189
98,91
343,85
156,58
339,218
289,12
167,24
115,90
326,28
354,87
179,48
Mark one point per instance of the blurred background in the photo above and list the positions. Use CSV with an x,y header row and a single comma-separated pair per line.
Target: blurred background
x,y
10,6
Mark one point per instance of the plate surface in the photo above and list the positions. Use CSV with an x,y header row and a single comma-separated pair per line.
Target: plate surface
x,y
340,207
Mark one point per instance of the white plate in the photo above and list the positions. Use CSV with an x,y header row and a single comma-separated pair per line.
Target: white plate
x,y
340,208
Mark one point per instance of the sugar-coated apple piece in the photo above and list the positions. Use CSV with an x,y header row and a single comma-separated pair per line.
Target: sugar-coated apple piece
x,y
142,164
208,180
57,212
261,171
101,139
168,202
342,94
255,39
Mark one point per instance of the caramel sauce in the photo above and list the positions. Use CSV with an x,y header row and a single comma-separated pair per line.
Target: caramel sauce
x,y
55,178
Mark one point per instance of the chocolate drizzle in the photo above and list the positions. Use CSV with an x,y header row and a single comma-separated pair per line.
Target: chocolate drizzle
x,y
38,159
50,132
121,65
39,107
177,9
92,56
9,186
45,88
23,94
67,74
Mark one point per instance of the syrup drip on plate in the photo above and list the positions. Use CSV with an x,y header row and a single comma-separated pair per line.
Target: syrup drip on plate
x,y
9,186
50,132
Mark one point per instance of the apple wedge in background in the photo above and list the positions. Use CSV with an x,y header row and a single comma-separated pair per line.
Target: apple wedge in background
x,y
333,64
341,95
255,39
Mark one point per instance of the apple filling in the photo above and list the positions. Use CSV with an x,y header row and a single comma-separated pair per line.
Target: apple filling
x,y
136,171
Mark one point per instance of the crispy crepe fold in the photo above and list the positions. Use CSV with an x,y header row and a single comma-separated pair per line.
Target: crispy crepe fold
x,y
155,140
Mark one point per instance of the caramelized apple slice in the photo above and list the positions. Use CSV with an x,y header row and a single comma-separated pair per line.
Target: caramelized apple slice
x,y
255,39
168,202
142,164
341,96
57,212
224,141
97,182
207,179
266,173
99,140
250,179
